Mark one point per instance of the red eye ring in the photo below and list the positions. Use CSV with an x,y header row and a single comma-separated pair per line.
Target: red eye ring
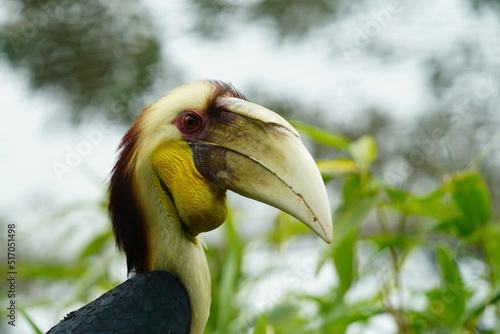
x,y
190,122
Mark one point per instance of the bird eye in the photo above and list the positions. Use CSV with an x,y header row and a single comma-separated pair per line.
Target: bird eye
x,y
190,122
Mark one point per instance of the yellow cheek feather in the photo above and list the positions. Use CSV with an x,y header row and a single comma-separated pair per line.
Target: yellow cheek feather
x,y
199,204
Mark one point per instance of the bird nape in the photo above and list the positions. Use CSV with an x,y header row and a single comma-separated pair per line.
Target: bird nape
x,y
169,184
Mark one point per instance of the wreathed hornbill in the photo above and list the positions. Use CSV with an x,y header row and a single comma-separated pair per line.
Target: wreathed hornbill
x,y
169,185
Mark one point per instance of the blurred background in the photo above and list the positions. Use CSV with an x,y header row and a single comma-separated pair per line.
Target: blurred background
x,y
397,100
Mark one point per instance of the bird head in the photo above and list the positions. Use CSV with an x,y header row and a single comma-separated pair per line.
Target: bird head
x,y
190,147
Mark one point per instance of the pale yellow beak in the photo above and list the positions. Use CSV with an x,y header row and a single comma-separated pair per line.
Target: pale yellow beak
x,y
256,153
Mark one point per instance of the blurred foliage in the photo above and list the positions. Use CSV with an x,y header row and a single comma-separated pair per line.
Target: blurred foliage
x,y
478,4
103,56
292,19
453,224
378,228
287,18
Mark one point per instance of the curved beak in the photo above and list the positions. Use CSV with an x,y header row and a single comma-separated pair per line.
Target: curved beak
x,y
256,153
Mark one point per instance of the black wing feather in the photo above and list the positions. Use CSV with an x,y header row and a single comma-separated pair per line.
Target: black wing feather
x,y
152,302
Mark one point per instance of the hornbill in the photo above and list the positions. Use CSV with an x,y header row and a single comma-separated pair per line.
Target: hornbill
x,y
169,185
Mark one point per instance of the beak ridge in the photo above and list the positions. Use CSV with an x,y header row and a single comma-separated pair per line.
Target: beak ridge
x,y
265,160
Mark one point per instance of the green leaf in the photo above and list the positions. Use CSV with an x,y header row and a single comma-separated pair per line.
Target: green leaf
x,y
354,189
336,167
349,217
43,271
346,226
393,239
261,325
363,151
473,313
448,304
285,228
227,287
435,204
287,318
449,269
324,137
30,321
344,258
230,271
96,245
471,196
338,316
398,197
490,237
283,313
